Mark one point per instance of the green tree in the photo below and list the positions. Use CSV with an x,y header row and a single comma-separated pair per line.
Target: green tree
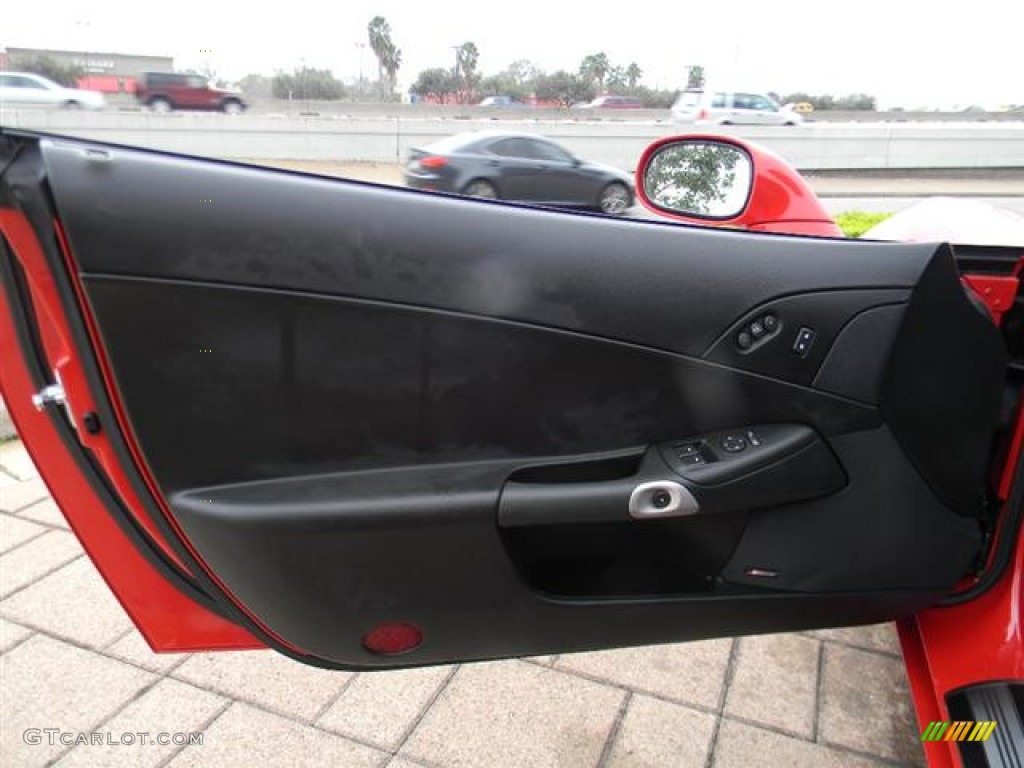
x,y
616,80
695,77
48,67
564,87
594,69
257,86
857,102
437,82
796,98
307,83
652,98
523,72
518,80
502,85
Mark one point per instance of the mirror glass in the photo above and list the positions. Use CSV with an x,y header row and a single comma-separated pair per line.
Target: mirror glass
x,y
704,179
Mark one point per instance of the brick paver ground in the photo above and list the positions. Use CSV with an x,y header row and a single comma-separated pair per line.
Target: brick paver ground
x,y
70,659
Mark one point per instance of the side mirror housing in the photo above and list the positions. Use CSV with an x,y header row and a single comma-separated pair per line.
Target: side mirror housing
x,y
724,181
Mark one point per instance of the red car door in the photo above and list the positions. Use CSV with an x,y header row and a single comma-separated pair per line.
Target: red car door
x,y
371,427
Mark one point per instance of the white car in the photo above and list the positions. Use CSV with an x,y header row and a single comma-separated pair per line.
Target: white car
x,y
731,108
24,89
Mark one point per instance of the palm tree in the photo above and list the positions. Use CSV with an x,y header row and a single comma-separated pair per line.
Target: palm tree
x,y
594,68
467,56
633,74
695,77
380,42
392,60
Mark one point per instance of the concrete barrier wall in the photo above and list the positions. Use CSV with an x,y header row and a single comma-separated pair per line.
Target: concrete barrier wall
x,y
311,107
816,146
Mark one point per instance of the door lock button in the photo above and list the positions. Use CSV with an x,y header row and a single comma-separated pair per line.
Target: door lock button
x,y
733,443
804,339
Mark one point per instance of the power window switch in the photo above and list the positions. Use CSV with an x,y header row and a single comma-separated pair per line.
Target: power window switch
x,y
687,449
692,460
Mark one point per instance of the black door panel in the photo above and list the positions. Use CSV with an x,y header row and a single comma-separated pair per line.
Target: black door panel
x,y
868,545
367,405
663,286
318,384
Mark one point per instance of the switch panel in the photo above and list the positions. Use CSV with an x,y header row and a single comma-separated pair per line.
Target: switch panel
x,y
753,467
762,339
758,331
715,457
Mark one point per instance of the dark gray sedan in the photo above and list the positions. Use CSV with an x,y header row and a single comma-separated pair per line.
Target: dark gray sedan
x,y
517,166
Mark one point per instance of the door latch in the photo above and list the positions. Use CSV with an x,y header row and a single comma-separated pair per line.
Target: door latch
x,y
49,395
54,394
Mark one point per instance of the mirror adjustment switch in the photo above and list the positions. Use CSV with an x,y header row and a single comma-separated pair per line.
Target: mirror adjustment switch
x,y
733,443
804,339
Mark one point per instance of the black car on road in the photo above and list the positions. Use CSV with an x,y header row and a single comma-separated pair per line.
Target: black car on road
x,y
517,166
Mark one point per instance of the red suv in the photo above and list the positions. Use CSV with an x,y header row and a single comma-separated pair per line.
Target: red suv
x,y
164,91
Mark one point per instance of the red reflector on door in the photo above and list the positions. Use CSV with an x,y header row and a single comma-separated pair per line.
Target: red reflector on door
x,y
388,639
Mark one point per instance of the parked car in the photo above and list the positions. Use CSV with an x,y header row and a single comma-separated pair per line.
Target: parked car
x,y
489,431
612,102
25,89
166,91
500,101
517,166
731,108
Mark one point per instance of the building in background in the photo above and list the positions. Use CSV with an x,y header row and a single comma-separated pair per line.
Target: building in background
x,y
106,72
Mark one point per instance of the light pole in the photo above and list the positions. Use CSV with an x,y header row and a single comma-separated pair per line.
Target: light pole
x,y
362,51
458,94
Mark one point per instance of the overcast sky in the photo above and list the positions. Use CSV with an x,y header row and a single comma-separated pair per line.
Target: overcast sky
x,y
906,54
